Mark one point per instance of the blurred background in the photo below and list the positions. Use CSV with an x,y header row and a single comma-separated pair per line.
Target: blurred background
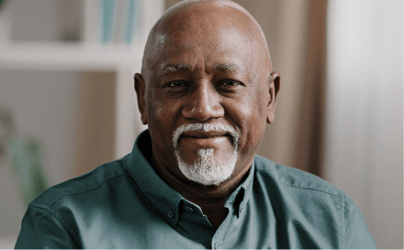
x,y
67,102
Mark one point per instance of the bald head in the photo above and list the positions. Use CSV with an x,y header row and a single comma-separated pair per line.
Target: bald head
x,y
206,63
195,22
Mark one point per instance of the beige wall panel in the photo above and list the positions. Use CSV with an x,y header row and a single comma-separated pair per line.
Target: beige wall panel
x,y
96,125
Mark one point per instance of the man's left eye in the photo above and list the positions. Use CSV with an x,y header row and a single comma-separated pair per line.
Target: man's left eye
x,y
176,84
229,83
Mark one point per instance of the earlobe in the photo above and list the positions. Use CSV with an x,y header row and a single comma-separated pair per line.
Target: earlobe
x,y
140,88
275,85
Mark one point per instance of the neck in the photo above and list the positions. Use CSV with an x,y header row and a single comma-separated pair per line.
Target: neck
x,y
211,199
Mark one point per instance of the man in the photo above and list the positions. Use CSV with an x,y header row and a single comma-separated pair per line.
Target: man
x,y
193,180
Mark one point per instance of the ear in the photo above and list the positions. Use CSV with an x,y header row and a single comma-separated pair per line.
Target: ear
x,y
274,87
140,88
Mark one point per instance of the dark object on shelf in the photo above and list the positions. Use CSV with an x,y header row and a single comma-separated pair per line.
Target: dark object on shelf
x,y
2,4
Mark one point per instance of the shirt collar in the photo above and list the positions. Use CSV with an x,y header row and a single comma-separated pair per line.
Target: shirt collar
x,y
160,194
239,198
155,189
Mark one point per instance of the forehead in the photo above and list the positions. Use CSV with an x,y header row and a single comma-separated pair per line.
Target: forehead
x,y
206,25
205,34
227,49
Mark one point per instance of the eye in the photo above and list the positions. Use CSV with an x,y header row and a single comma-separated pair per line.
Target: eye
x,y
229,83
175,84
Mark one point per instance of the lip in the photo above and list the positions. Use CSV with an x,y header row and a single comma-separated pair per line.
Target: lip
x,y
203,141
202,134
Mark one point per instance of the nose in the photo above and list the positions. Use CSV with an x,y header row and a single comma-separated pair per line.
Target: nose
x,y
203,103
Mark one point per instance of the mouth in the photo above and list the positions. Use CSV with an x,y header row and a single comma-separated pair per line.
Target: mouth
x,y
205,141
201,139
204,135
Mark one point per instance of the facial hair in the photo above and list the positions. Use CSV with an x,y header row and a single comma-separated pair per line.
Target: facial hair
x,y
207,170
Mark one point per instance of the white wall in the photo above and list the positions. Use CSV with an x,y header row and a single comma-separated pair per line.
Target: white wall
x,y
364,143
44,105
58,20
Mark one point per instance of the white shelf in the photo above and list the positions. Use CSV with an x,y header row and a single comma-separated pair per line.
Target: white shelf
x,y
68,56
123,60
89,55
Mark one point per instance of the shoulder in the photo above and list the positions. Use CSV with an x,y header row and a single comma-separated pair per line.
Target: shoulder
x,y
88,183
292,178
308,205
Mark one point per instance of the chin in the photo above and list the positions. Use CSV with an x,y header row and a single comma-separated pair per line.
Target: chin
x,y
208,169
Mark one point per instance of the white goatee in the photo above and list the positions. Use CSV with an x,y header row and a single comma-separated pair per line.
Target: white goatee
x,y
207,170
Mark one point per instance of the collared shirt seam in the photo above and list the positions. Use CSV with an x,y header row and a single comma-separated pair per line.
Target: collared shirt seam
x,y
348,209
343,227
274,172
80,192
309,188
72,231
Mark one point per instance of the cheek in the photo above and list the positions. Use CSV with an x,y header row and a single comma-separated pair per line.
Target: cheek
x,y
250,116
158,111
253,108
165,111
162,116
157,114
155,108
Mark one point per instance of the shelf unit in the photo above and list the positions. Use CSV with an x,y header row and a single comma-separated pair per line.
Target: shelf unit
x,y
84,57
67,56
89,54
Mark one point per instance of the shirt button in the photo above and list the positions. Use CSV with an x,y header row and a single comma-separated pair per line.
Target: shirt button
x,y
189,209
242,209
170,214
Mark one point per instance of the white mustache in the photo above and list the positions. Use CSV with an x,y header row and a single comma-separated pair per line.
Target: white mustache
x,y
205,127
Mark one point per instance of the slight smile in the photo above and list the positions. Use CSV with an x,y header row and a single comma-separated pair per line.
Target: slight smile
x,y
200,139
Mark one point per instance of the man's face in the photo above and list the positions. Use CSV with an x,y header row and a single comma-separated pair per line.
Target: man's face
x,y
207,99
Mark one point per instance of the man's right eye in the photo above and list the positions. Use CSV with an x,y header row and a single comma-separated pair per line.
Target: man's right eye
x,y
175,84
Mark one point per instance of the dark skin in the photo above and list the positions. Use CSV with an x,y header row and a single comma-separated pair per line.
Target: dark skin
x,y
206,62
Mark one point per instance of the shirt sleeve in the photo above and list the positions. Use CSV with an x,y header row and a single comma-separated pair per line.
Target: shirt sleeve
x,y
41,229
357,234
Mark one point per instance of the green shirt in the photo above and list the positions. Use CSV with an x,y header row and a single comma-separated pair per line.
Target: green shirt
x,y
125,204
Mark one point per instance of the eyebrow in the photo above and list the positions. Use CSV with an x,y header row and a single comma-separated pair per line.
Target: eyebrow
x,y
178,68
231,67
226,67
174,68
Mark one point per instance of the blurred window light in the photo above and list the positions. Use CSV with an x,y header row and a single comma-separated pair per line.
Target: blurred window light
x,y
364,120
